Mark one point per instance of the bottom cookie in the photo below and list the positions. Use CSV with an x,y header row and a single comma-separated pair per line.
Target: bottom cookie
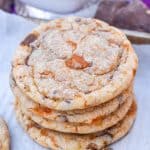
x,y
63,141
4,136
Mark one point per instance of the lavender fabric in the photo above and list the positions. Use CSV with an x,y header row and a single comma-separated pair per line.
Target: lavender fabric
x,y
147,2
125,14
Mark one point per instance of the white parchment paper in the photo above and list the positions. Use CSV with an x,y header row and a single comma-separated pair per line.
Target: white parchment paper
x,y
12,30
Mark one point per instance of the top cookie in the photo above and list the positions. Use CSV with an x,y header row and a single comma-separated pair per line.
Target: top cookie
x,y
74,63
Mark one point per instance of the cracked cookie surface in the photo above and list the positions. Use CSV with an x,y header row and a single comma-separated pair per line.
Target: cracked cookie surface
x,y
74,63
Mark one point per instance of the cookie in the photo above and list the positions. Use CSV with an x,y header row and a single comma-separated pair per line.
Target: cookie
x,y
97,124
4,136
74,63
77,116
58,140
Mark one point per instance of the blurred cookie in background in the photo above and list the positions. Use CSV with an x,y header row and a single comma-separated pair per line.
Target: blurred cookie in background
x,y
4,135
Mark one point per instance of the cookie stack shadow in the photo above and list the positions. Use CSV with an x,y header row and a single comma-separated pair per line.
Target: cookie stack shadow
x,y
72,98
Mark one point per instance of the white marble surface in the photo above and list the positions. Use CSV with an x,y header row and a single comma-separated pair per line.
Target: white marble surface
x,y
12,30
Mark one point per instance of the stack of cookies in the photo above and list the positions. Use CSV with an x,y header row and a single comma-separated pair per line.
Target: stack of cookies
x,y
73,84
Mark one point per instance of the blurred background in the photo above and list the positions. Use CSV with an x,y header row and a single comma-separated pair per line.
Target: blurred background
x,y
125,14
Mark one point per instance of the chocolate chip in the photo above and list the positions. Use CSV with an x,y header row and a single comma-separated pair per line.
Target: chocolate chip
x,y
45,96
29,39
106,132
92,146
78,19
63,57
26,60
26,88
134,72
55,91
68,101
111,77
90,64
37,126
62,118
87,92
105,143
120,99
12,80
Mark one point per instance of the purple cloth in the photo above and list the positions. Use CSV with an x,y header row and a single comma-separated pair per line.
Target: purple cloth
x,y
7,5
132,15
147,2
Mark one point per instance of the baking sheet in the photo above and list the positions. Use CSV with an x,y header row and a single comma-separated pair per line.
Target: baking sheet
x,y
137,37
12,30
